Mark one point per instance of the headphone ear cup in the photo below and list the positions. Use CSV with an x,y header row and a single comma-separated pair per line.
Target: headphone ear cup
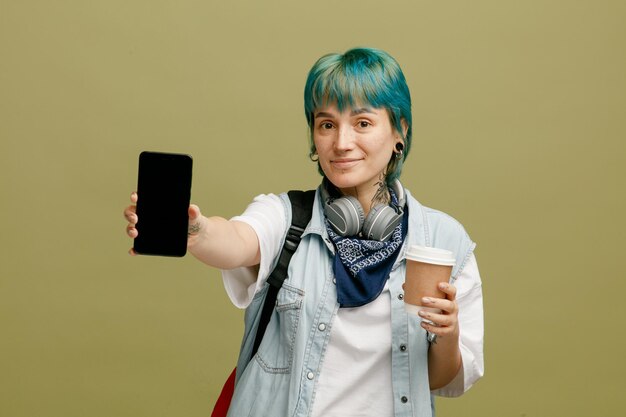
x,y
380,223
346,215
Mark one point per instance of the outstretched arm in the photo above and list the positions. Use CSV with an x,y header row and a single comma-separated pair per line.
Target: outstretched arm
x,y
217,242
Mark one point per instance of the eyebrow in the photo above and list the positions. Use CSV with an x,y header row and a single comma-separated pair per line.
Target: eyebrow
x,y
323,114
354,112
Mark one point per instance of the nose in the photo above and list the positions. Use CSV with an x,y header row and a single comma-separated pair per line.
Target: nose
x,y
344,139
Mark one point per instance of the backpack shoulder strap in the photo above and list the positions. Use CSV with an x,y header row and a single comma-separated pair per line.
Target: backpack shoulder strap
x,y
301,211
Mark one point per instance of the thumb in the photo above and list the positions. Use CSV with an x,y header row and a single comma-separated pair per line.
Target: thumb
x,y
194,212
195,220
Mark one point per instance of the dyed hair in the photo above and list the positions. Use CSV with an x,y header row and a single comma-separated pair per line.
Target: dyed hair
x,y
361,77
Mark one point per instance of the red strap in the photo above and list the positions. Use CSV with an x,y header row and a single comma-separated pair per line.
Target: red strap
x,y
223,401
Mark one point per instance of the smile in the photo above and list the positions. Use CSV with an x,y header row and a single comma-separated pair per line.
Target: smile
x,y
344,163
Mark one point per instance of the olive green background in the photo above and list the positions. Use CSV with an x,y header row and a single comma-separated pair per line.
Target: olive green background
x,y
519,120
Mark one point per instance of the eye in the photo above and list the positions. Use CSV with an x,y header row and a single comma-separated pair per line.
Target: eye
x,y
326,125
364,123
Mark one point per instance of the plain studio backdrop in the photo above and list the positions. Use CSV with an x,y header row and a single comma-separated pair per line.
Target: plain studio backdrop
x,y
519,132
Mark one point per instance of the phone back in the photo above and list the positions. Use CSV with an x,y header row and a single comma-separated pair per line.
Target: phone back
x,y
164,192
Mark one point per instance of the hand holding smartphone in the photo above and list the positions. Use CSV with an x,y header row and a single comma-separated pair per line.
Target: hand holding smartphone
x,y
164,191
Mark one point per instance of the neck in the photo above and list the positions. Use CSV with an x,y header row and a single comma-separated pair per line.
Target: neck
x,y
369,195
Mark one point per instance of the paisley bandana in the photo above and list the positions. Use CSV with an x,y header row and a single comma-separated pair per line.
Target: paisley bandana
x,y
362,266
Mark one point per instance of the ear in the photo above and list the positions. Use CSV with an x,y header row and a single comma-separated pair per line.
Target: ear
x,y
405,129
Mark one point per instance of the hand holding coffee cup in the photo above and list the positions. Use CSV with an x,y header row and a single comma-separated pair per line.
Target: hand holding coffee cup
x,y
425,268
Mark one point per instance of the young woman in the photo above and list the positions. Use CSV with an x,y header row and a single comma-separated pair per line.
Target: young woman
x,y
340,342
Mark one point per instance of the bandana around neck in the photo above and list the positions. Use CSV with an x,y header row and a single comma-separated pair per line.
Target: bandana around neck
x,y
362,266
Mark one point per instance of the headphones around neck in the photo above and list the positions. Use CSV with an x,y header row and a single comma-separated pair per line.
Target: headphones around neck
x,y
347,217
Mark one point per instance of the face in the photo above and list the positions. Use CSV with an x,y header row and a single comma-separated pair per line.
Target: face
x,y
354,146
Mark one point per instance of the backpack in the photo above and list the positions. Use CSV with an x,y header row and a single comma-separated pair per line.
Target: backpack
x,y
301,211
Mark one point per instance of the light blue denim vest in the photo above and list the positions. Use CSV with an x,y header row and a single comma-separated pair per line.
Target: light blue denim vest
x,y
281,379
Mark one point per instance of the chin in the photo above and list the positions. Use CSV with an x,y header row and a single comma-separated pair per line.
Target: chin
x,y
344,180
351,178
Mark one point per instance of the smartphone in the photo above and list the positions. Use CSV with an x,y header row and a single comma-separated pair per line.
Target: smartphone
x,y
164,192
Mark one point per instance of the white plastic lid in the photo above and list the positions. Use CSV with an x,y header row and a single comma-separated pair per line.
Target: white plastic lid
x,y
430,255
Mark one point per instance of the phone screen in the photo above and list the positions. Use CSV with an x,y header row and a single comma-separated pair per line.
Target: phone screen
x,y
164,192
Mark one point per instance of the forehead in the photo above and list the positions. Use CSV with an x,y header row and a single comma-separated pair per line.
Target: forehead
x,y
343,98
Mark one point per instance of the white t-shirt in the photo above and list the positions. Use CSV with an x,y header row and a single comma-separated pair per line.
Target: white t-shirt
x,y
368,353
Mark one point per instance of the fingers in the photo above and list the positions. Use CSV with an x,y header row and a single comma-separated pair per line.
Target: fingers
x,y
441,315
440,324
440,331
440,320
448,304
131,231
130,214
131,217
449,290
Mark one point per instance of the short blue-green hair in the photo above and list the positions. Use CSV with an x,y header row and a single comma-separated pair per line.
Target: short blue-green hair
x,y
361,77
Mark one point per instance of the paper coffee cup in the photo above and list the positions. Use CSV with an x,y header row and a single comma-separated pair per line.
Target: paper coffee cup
x,y
425,268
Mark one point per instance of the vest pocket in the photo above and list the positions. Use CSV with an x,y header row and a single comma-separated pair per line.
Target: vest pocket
x,y
275,354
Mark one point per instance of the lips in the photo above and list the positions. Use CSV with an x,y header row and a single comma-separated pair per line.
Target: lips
x,y
344,163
